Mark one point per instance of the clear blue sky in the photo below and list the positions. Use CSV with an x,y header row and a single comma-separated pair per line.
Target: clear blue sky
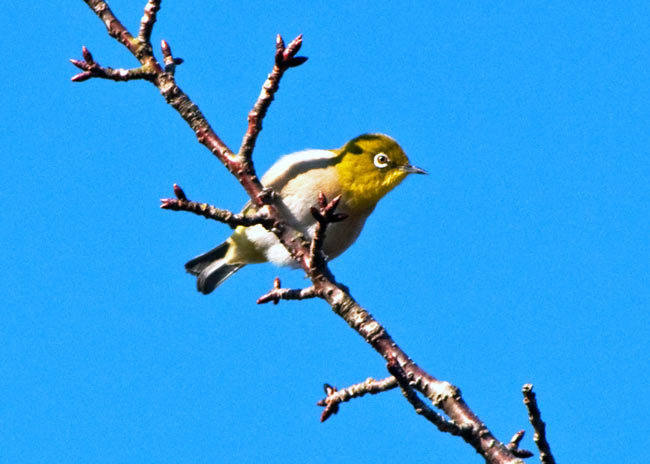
x,y
523,257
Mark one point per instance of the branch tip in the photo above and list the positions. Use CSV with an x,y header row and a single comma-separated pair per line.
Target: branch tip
x,y
334,397
87,55
181,203
285,57
278,293
293,48
84,76
91,69
513,446
169,61
517,437
329,389
325,213
296,61
180,194
331,406
535,418
148,20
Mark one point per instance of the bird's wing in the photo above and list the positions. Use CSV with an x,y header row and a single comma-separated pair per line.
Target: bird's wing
x,y
291,166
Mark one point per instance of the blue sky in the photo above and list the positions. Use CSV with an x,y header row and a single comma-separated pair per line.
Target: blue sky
x,y
522,257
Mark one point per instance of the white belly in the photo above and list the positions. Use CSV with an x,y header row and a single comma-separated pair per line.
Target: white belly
x,y
299,178
338,238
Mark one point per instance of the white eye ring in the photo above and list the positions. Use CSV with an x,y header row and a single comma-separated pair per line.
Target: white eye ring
x,y
381,160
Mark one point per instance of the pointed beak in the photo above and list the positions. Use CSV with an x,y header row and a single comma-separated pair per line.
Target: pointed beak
x,y
409,169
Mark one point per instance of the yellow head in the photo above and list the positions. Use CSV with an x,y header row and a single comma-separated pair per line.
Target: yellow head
x,y
369,166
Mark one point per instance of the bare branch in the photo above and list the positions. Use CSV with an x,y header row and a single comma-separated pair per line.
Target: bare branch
x,y
93,69
277,293
442,394
240,166
175,96
116,29
148,20
181,203
324,215
535,418
335,397
284,59
513,446
168,59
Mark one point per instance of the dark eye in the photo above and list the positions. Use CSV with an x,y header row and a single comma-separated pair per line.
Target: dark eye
x,y
381,160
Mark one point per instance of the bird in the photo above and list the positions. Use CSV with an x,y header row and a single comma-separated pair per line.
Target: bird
x,y
362,171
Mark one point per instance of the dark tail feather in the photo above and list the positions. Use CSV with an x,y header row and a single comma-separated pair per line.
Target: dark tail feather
x,y
211,269
196,265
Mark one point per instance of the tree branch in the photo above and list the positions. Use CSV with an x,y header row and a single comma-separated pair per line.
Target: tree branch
x,y
535,418
92,69
442,394
335,396
148,20
425,411
513,446
285,58
181,203
277,293
325,215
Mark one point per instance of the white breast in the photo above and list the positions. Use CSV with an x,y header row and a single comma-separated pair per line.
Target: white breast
x,y
299,178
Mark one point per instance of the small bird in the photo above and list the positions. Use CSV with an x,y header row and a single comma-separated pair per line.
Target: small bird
x,y
364,170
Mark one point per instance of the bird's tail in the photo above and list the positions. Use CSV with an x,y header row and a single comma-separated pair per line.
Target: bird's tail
x,y
211,268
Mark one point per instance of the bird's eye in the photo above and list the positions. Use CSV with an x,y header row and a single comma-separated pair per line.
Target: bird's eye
x,y
381,160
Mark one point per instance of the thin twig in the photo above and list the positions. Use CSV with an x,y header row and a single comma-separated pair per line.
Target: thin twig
x,y
148,20
335,396
240,166
285,58
325,214
92,69
278,293
181,203
168,59
513,446
140,49
165,82
535,418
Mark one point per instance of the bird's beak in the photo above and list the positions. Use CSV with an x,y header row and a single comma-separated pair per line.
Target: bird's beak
x,y
409,169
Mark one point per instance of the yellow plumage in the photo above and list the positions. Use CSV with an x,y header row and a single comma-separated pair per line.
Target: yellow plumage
x,y
362,172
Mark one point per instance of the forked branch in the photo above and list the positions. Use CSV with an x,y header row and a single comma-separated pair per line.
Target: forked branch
x,y
307,255
278,293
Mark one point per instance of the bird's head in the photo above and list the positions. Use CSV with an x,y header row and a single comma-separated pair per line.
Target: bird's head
x,y
369,167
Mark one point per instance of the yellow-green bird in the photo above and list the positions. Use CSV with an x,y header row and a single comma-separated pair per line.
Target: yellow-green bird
x,y
362,172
